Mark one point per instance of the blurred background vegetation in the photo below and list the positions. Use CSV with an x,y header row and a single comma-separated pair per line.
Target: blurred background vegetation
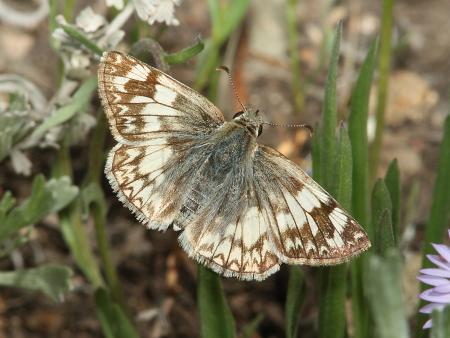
x,y
372,77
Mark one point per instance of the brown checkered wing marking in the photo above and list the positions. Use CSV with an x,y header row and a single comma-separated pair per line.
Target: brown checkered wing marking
x,y
270,213
156,120
235,241
307,226
149,180
142,103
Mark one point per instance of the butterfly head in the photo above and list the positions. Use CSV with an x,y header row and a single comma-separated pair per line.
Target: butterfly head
x,y
251,120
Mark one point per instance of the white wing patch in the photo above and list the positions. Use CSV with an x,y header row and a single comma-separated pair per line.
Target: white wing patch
x,y
135,173
243,250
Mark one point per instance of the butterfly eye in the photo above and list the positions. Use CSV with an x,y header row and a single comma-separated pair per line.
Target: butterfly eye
x,y
239,113
260,130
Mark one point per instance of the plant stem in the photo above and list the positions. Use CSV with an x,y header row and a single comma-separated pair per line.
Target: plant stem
x,y
297,87
72,226
98,208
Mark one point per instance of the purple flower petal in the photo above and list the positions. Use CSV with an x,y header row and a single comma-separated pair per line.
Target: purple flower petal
x,y
443,250
430,307
431,280
428,324
439,261
435,297
443,288
436,272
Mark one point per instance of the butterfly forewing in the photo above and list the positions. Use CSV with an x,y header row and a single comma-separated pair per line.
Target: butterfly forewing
x,y
242,209
143,103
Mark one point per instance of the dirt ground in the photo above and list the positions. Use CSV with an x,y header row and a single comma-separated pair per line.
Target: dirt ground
x,y
158,278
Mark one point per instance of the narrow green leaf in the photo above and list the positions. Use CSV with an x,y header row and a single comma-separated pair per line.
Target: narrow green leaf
x,y
216,319
82,38
342,188
78,102
360,182
384,67
115,323
74,232
6,204
216,16
441,323
329,117
316,143
73,228
381,218
334,279
52,280
185,54
384,290
294,301
392,181
46,197
358,137
207,62
440,210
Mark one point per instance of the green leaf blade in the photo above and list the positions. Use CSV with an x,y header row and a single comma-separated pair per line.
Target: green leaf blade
x,y
384,290
216,319
113,320
334,279
52,280
294,301
185,54
46,197
441,323
436,228
381,218
358,137
360,182
392,181
329,117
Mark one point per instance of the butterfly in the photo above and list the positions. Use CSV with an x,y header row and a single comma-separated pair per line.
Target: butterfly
x,y
241,208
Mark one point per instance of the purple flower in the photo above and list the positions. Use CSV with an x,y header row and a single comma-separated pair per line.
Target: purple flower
x,y
439,279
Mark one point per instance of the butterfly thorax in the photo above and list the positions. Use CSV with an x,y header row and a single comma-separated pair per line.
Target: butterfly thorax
x,y
234,145
250,120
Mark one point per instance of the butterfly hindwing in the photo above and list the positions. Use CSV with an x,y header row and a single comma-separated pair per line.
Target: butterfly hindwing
x,y
225,226
307,224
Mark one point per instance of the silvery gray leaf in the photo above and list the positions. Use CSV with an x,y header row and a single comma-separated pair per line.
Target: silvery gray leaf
x,y
24,19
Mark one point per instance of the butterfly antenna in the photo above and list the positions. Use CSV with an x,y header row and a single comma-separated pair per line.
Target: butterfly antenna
x,y
307,126
230,79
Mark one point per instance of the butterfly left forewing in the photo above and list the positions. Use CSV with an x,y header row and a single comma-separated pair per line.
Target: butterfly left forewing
x,y
143,103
